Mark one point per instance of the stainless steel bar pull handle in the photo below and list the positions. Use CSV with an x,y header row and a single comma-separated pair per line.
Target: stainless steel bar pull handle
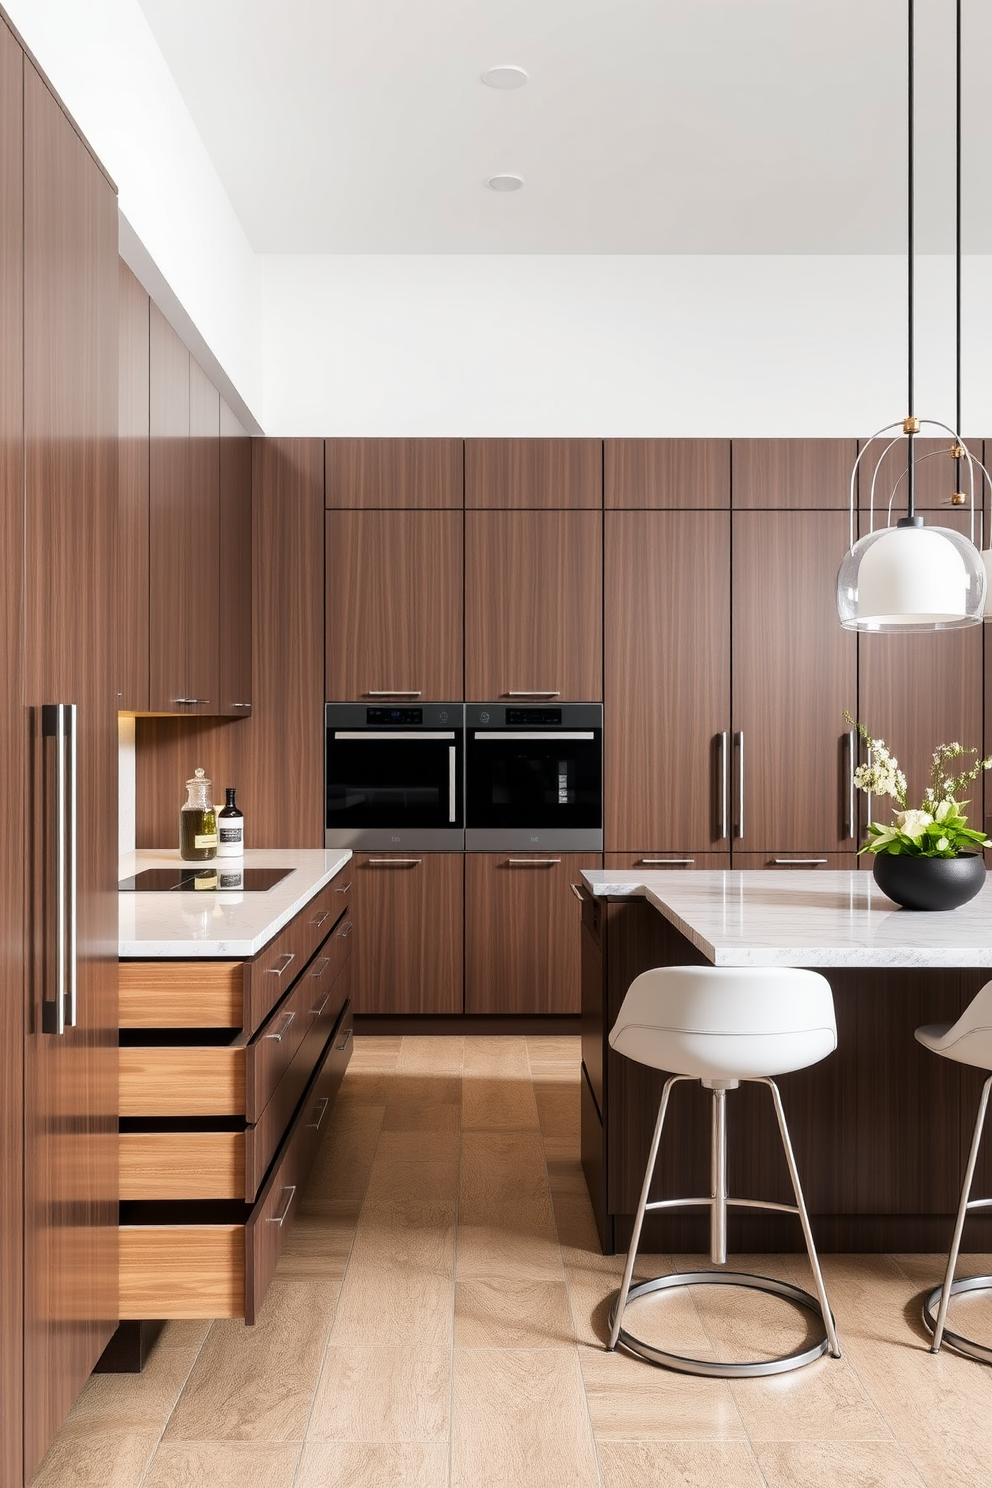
x,y
452,785
581,892
533,693
393,862
791,862
850,825
664,862
394,692
287,1019
532,862
58,723
205,700
280,1218
724,768
286,958
739,747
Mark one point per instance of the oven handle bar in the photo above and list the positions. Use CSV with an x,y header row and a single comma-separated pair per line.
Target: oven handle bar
x,y
369,736
495,735
452,784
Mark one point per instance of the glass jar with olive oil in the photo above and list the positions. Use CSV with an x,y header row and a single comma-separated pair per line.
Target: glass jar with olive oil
x,y
198,821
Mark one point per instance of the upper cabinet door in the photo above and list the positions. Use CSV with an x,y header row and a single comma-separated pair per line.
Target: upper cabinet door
x,y
132,463
387,473
644,474
667,679
234,585
203,538
393,610
172,575
792,474
534,606
794,674
534,474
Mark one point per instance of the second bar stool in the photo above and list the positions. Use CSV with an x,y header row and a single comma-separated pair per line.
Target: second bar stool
x,y
721,1026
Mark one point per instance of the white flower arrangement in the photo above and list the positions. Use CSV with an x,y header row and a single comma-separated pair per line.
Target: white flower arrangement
x,y
936,829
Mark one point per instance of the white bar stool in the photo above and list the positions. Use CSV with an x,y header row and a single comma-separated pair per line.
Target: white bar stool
x,y
969,1041
722,1025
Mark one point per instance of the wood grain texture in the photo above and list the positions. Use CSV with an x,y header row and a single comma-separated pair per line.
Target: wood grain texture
x,y
182,1165
663,862
795,672
398,473
533,604
522,946
641,474
165,1081
174,576
182,1271
132,465
71,532
393,606
234,582
181,994
792,474
13,760
667,679
407,956
535,474
202,538
284,737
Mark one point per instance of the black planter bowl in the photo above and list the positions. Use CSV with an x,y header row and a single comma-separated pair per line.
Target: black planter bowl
x,y
929,883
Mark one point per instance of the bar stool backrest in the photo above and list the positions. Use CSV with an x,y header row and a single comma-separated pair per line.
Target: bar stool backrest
x,y
726,1022
969,1040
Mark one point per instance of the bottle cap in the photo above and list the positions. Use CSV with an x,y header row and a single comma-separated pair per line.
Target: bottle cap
x,y
199,778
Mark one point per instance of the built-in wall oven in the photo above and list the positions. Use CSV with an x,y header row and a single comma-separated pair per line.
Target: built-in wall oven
x,y
393,776
534,778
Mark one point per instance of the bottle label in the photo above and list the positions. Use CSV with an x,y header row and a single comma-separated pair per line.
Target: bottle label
x,y
231,834
207,839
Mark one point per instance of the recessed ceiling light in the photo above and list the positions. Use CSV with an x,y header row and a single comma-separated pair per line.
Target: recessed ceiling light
x,y
504,77
504,183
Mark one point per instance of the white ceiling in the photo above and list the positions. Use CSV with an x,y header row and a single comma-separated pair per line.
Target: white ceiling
x,y
648,126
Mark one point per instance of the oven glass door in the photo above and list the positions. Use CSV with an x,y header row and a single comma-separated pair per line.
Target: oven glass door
x,y
393,779
534,780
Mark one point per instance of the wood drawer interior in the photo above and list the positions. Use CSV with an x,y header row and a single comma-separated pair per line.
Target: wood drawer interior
x,y
181,994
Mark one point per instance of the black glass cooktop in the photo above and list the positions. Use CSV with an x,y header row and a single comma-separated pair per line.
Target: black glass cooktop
x,y
204,877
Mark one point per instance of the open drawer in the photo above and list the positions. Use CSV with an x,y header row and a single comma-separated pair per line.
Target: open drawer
x,y
189,1259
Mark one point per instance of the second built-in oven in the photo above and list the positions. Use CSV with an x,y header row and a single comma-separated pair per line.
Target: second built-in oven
x,y
534,778
393,776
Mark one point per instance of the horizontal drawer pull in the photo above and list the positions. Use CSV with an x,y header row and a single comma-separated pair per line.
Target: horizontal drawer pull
x,y
547,692
342,888
322,1106
319,919
320,967
346,930
285,958
241,705
342,1042
393,692
581,892
318,1011
191,700
650,862
393,862
281,1218
785,862
532,862
287,1019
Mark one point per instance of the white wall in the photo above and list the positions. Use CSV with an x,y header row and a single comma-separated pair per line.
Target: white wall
x,y
106,66
622,346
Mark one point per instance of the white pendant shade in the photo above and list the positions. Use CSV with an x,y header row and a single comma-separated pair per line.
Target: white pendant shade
x,y
911,578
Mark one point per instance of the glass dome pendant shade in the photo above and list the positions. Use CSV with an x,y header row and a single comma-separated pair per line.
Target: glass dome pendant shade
x,y
910,578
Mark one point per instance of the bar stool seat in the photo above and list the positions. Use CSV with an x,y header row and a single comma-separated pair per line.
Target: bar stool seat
x,y
722,1026
969,1041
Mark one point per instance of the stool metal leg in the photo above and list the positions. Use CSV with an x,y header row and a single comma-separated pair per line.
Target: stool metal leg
x,y
718,1179
821,1292
952,1258
628,1270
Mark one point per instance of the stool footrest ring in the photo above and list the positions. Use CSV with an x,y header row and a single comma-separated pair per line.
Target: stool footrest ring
x,y
745,1370
980,1351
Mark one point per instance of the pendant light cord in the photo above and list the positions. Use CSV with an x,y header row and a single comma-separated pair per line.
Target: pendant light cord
x,y
910,242
957,225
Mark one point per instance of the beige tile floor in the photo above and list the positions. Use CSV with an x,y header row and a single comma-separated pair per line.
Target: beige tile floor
x,y
437,1321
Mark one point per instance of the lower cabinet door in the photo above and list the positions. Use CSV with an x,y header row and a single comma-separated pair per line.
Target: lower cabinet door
x,y
216,1258
407,956
522,942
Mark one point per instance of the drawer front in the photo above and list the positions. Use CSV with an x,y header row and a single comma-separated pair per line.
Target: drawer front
x,y
168,1080
183,1165
282,960
181,994
326,908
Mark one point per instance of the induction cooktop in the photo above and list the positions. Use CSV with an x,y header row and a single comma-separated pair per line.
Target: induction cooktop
x,y
204,878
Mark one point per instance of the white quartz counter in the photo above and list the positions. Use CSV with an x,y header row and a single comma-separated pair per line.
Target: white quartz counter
x,y
219,924
805,918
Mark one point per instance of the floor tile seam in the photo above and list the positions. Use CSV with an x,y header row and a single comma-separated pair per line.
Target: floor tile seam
x,y
175,1405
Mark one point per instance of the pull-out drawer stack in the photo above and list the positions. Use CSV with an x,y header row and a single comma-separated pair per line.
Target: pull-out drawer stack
x,y
227,1070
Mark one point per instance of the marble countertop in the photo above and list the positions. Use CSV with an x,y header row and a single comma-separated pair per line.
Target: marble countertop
x,y
219,924
805,918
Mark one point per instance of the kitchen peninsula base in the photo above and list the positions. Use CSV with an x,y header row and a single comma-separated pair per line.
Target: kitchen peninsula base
x,y
880,1128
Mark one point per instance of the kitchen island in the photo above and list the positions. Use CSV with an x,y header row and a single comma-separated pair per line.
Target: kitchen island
x,y
880,1128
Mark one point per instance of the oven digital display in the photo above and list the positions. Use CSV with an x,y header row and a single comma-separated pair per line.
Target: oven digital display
x,y
533,717
394,715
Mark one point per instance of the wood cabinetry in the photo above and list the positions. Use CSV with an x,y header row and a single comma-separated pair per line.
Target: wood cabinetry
x,y
533,605
132,465
234,580
653,474
399,473
393,608
522,952
408,947
535,474
793,474
70,536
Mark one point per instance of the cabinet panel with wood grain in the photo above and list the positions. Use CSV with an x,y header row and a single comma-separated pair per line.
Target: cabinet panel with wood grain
x,y
393,473
132,461
407,956
535,474
650,474
792,474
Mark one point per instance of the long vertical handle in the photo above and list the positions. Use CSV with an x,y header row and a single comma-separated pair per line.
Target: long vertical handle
x,y
452,786
724,768
739,746
73,906
58,722
850,825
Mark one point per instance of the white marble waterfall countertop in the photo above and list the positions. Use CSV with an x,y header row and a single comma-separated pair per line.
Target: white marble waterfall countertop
x,y
805,918
233,925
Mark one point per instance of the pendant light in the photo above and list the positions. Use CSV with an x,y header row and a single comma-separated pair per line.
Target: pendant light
x,y
912,577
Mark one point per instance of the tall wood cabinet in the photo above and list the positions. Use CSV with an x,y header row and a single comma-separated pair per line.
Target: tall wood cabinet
x,y
68,507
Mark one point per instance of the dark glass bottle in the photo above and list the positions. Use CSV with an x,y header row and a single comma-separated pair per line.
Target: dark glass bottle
x,y
230,827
